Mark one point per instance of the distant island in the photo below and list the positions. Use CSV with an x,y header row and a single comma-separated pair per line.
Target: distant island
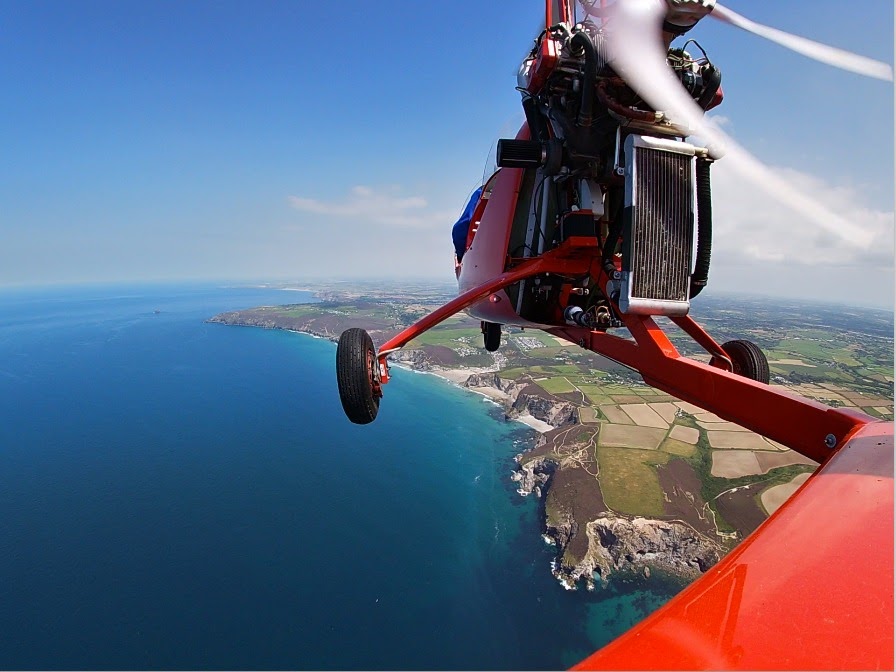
x,y
631,479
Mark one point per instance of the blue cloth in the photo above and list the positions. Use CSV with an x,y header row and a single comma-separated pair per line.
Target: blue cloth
x,y
461,228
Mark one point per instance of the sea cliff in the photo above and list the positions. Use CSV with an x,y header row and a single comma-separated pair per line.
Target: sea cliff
x,y
592,541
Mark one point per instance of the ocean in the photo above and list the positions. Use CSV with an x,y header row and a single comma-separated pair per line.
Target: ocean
x,y
183,495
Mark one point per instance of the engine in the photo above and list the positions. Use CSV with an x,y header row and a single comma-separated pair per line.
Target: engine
x,y
600,162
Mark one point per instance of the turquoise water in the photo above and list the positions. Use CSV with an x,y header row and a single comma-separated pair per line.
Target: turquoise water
x,y
176,494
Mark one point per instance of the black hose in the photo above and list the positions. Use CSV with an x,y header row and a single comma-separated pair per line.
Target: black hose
x,y
700,276
581,41
538,129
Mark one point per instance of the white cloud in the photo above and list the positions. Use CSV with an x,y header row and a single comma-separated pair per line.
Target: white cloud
x,y
748,225
386,206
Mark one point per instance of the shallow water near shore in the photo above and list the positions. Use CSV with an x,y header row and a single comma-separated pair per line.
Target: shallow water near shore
x,y
177,494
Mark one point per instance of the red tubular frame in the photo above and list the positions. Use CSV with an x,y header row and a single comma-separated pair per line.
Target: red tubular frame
x,y
809,427
799,423
566,257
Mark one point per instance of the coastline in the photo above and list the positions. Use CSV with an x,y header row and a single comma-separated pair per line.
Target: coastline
x,y
592,541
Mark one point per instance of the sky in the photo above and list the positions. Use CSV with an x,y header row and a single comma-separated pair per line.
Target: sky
x,y
169,140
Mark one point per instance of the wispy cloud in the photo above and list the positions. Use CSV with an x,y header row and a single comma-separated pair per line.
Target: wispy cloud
x,y
384,206
749,225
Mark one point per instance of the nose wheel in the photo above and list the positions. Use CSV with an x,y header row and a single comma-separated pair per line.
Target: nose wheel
x,y
491,336
358,376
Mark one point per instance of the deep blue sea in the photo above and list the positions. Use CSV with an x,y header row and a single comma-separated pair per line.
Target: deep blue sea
x,y
176,494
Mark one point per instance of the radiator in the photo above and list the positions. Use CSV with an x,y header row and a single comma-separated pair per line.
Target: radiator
x,y
658,230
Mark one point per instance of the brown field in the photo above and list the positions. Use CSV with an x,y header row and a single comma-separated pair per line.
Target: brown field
x,y
775,496
735,463
682,490
581,496
587,415
631,436
686,434
740,509
738,441
705,416
688,407
616,415
666,410
441,355
773,460
644,416
626,398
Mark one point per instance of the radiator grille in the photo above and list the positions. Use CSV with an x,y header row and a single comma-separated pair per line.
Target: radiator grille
x,y
661,225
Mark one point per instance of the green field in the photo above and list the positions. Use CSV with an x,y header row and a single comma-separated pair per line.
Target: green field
x,y
629,481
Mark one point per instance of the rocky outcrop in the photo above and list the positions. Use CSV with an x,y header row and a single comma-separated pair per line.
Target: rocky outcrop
x,y
533,475
531,399
493,380
527,398
414,359
619,544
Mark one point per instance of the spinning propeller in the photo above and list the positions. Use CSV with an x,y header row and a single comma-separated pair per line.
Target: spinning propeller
x,y
839,58
638,54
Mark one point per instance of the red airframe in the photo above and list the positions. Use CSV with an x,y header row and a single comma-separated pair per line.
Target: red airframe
x,y
599,219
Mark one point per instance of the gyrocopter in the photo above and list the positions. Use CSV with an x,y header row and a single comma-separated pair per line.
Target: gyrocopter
x,y
598,220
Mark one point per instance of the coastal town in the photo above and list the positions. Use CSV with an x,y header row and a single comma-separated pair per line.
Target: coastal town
x,y
631,479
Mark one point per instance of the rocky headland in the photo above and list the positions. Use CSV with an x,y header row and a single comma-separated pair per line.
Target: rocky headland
x,y
593,542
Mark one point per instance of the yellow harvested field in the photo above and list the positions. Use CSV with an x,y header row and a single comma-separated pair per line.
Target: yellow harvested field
x,y
563,342
689,408
615,415
644,416
776,495
883,410
704,416
631,436
686,434
738,441
768,460
793,362
722,426
665,410
734,463
678,448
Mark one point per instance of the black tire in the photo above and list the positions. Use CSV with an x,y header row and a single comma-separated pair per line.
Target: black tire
x,y
491,336
357,374
748,360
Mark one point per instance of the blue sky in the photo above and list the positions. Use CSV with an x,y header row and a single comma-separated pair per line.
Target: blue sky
x,y
283,140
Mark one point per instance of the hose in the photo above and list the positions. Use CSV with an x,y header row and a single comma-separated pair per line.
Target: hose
x,y
619,108
700,276
581,41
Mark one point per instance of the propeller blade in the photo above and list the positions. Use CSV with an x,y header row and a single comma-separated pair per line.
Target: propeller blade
x,y
839,58
639,57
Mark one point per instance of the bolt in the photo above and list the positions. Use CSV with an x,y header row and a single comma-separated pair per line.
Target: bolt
x,y
830,440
